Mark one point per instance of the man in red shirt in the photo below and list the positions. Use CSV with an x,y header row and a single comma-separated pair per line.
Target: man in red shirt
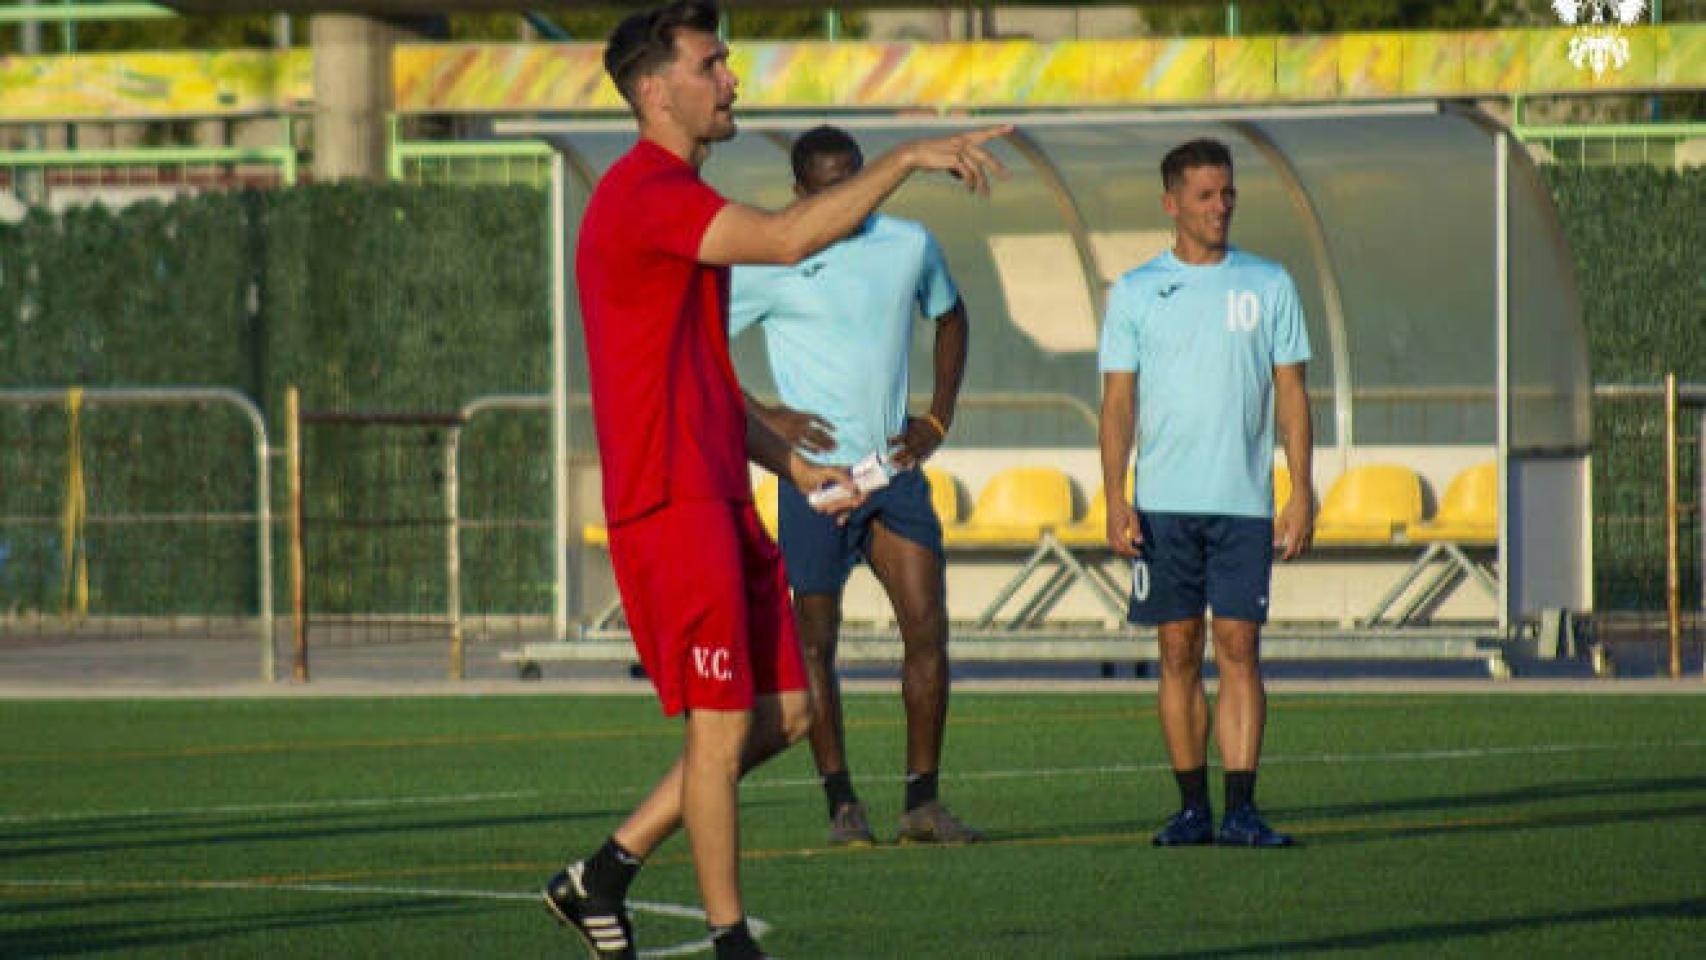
x,y
701,582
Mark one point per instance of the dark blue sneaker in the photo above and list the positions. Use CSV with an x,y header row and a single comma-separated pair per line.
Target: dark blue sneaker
x,y
1245,828
1189,827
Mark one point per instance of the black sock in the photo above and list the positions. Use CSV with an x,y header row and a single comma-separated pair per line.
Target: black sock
x,y
734,942
611,870
1193,788
920,790
1240,789
838,790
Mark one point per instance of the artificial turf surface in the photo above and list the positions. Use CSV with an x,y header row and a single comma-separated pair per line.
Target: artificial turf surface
x,y
1430,825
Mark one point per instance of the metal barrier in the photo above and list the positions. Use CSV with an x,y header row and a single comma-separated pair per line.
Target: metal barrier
x,y
469,162
35,175
1598,145
75,516
1649,491
537,404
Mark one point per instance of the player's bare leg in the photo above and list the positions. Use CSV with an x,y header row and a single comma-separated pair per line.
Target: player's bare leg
x,y
1241,710
1241,705
818,616
710,777
1183,708
590,894
912,575
1181,702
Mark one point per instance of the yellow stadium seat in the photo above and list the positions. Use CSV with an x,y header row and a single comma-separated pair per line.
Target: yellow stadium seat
x,y
766,497
1015,507
1469,511
1092,529
1370,505
595,535
1468,517
944,495
1282,487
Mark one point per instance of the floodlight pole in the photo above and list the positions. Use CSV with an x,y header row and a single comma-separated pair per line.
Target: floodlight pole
x,y
1502,291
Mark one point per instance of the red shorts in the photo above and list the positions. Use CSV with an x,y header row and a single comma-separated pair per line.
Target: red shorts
x,y
706,597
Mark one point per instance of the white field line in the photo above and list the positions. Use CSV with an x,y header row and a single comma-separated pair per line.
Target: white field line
x,y
679,910
790,783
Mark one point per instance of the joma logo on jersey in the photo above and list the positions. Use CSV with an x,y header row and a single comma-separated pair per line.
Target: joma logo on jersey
x,y
1243,311
712,664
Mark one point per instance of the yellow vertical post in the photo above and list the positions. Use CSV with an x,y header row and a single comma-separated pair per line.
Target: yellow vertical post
x,y
1673,534
298,590
453,550
75,599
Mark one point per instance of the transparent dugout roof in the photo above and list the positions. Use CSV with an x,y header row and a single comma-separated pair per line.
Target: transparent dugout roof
x,y
1384,216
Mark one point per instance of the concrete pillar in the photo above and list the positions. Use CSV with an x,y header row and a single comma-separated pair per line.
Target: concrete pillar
x,y
352,94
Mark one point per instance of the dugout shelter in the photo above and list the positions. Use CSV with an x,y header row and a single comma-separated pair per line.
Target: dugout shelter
x,y
1440,293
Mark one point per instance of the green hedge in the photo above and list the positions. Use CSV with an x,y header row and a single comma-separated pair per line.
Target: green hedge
x,y
366,297
1639,238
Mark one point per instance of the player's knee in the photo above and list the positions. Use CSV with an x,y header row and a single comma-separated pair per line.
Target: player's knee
x,y
1236,658
923,625
1180,659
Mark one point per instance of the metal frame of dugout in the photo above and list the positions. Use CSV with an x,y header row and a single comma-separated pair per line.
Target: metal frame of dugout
x,y
1520,322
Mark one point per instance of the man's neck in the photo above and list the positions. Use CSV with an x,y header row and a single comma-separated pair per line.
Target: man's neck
x,y
691,151
1198,255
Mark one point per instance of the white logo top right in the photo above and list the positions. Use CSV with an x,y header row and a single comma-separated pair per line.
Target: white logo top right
x,y
1599,44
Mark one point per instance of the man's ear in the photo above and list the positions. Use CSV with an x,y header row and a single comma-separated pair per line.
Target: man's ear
x,y
649,94
1169,203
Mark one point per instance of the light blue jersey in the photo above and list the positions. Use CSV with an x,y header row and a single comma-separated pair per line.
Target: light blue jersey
x,y
1204,341
838,328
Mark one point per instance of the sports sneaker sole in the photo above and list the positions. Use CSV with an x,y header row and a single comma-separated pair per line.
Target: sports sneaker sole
x,y
933,842
563,919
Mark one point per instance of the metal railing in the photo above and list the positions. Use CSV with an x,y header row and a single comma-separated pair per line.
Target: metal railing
x,y
34,176
1591,145
468,162
1650,497
173,396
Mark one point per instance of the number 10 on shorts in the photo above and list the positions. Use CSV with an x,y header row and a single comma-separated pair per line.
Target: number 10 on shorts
x,y
1140,580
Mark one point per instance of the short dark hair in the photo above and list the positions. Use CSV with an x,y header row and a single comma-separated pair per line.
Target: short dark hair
x,y
1192,153
822,141
644,43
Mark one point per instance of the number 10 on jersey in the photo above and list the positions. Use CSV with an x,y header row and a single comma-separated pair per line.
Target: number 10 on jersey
x,y
1243,311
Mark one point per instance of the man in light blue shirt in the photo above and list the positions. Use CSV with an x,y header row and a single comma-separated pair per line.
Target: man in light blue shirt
x,y
1215,338
838,330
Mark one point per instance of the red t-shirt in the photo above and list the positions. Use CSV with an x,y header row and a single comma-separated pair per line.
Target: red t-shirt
x,y
668,409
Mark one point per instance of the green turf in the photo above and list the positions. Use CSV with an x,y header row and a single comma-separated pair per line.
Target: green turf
x,y
1431,825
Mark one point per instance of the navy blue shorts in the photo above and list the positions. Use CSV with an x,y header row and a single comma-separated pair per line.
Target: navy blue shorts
x,y
819,553
1192,562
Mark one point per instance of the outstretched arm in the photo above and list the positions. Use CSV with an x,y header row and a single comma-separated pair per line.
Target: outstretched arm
x,y
744,234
